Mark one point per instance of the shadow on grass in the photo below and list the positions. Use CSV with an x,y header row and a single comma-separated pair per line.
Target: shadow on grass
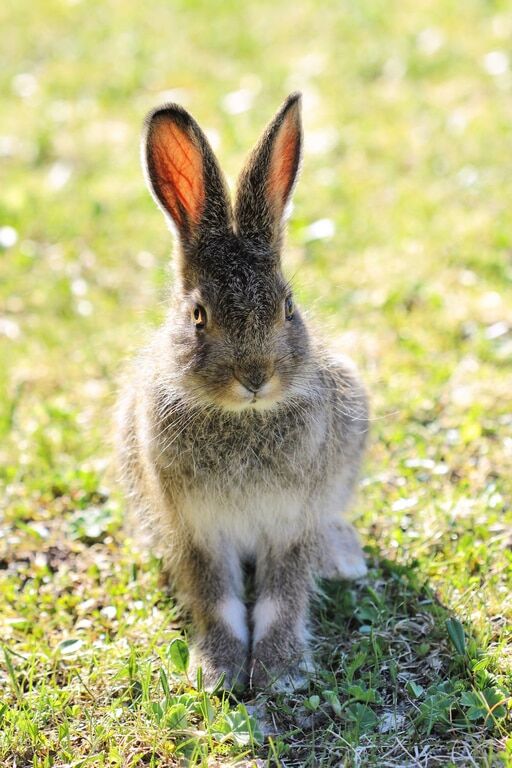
x,y
400,682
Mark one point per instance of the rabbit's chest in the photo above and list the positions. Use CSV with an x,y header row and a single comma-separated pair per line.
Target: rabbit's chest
x,y
230,456
248,486
249,521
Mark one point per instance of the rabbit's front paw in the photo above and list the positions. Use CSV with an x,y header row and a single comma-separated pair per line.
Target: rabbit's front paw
x,y
280,661
342,556
220,656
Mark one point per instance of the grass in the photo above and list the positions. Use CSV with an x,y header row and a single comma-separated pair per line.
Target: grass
x,y
408,170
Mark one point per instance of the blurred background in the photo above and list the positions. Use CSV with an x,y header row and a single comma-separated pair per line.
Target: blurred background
x,y
400,243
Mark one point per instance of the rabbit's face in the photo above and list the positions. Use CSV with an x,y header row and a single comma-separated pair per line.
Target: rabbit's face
x,y
237,340
241,342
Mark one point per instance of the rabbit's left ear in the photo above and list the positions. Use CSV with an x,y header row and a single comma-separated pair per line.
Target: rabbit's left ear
x,y
183,174
267,181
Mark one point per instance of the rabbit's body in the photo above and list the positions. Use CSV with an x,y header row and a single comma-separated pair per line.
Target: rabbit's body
x,y
243,443
249,478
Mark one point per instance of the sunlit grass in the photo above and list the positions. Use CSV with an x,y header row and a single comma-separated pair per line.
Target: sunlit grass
x,y
400,243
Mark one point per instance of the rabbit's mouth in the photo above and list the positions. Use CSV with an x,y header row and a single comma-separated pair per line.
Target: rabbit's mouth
x,y
239,396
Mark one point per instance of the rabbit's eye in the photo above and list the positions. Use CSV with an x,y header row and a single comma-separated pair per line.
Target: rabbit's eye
x,y
288,308
199,317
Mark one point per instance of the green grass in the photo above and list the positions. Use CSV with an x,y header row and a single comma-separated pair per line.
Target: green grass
x,y
408,116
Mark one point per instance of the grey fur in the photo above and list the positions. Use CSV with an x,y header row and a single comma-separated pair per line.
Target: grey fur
x,y
215,483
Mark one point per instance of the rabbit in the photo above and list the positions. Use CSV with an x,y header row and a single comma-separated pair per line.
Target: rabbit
x,y
240,436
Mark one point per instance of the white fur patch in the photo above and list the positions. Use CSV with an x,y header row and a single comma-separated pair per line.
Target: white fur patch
x,y
233,612
238,397
343,557
247,519
351,566
265,614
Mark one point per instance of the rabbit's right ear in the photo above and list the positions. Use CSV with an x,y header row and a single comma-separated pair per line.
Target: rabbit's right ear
x,y
267,181
183,173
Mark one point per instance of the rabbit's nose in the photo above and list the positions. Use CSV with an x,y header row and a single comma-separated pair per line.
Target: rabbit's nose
x,y
252,379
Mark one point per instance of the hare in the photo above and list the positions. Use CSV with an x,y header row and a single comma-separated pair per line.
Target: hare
x,y
240,437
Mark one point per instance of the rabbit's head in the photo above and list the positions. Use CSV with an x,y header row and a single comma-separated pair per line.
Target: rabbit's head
x,y
237,339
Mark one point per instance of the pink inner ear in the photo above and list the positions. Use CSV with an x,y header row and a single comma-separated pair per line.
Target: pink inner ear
x,y
284,159
177,163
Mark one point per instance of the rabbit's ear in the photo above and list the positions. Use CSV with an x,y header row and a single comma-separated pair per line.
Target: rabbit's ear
x,y
183,173
267,181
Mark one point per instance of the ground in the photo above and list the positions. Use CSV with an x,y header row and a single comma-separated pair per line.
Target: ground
x,y
400,244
